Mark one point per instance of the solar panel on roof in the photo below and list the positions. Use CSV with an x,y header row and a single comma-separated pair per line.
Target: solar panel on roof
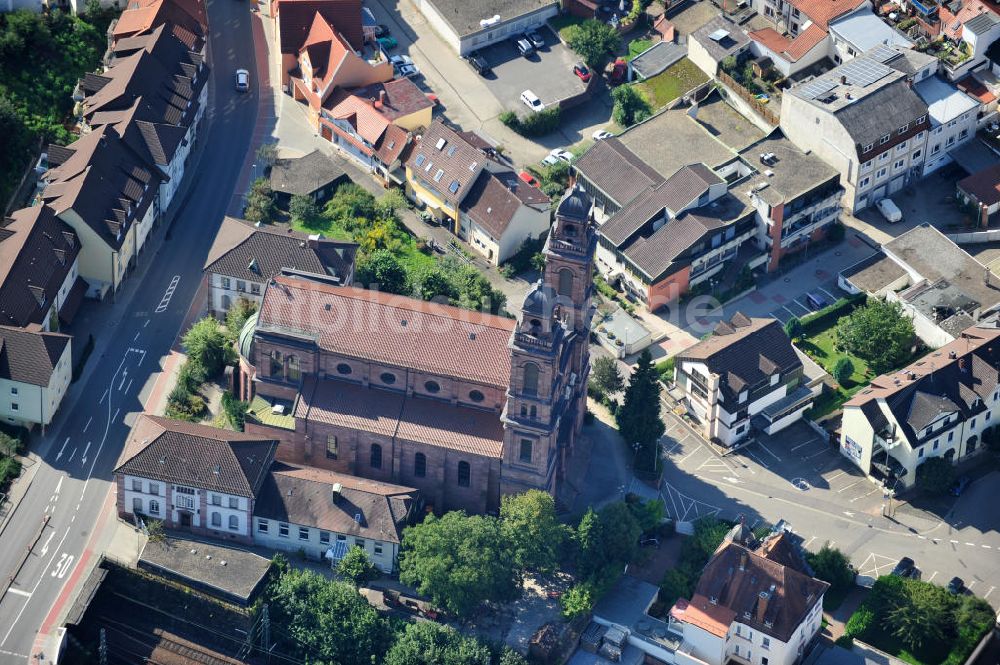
x,y
864,72
882,53
817,88
719,35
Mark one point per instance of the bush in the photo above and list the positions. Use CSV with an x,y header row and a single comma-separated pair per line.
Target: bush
x,y
842,370
510,119
540,123
235,410
356,567
207,346
665,368
829,315
859,623
935,475
630,107
577,601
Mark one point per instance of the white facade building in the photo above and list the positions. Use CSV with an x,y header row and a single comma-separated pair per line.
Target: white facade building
x,y
953,120
35,372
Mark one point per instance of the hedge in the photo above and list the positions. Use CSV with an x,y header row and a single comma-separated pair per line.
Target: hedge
x,y
829,315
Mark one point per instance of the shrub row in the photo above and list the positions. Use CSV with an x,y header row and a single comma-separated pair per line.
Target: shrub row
x,y
533,124
829,315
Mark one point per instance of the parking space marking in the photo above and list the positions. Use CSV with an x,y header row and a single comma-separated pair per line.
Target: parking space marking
x,y
834,476
862,496
785,307
809,542
987,594
843,489
933,575
688,456
804,443
833,297
769,452
757,459
970,585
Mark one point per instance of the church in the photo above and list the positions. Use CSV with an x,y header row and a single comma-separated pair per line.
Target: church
x,y
462,405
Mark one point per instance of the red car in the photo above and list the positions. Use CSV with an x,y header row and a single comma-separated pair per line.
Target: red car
x,y
528,178
581,70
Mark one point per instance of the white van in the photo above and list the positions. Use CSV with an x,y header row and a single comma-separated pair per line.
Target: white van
x,y
889,210
532,101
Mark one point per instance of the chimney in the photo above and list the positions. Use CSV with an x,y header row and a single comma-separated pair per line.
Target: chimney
x,y
762,599
952,355
743,560
381,97
335,492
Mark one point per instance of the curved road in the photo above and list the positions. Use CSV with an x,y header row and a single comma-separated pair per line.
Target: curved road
x,y
72,487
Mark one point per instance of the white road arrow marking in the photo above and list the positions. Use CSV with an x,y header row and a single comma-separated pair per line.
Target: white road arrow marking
x,y
849,513
124,375
83,460
63,449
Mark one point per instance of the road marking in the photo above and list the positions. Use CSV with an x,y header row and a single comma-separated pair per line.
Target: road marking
x,y
168,294
986,595
59,484
72,455
686,457
842,489
124,376
827,293
768,451
849,513
136,336
101,401
146,323
987,547
45,547
806,544
970,585
129,386
18,592
921,537
758,460
63,449
88,424
806,443
834,476
933,575
35,588
971,544
83,460
115,417
954,542
865,495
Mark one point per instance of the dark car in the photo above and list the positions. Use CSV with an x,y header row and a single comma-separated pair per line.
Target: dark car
x,y
905,568
478,62
382,30
960,485
816,301
956,586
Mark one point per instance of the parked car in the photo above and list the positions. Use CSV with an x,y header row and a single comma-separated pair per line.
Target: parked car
x,y
479,63
387,43
407,71
242,80
524,47
535,38
889,210
582,71
960,485
601,134
382,30
528,178
905,568
531,100
956,586
619,70
562,155
816,300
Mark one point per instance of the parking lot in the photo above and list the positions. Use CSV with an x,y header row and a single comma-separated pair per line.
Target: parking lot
x,y
548,73
786,307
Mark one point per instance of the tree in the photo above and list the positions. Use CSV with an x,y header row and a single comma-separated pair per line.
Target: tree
x,y
267,154
531,530
639,416
630,106
593,41
8,445
935,475
237,316
206,345
607,538
459,561
925,616
842,370
356,567
538,261
435,284
326,621
383,270
389,203
428,643
260,202
605,375
830,565
879,333
793,328
303,209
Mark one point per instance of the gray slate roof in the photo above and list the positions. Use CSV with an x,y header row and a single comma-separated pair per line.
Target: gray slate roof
x,y
616,170
30,357
306,174
883,112
242,251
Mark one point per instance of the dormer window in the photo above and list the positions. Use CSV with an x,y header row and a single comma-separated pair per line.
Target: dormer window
x,y
868,147
884,140
902,130
921,119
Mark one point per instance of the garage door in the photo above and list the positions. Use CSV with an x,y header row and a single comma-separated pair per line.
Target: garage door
x,y
877,193
896,184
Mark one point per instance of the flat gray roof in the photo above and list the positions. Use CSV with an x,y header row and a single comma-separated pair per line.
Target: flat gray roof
x,y
793,172
657,58
736,38
464,15
873,274
214,568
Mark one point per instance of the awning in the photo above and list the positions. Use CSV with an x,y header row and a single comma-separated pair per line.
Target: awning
x,y
73,299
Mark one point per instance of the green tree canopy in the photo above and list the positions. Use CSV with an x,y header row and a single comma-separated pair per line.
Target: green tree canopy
x,y
428,643
325,621
793,328
458,561
383,269
935,475
926,615
356,567
605,375
594,41
842,370
206,345
606,538
630,106
531,529
831,565
435,284
237,316
303,208
260,202
639,416
879,333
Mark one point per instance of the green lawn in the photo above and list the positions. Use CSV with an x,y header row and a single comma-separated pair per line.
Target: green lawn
x,y
412,258
637,46
672,83
564,21
821,348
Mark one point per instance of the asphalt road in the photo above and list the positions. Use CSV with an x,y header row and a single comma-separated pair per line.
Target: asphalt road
x,y
79,453
798,478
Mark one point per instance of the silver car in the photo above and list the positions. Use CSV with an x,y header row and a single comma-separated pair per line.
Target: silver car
x,y
242,80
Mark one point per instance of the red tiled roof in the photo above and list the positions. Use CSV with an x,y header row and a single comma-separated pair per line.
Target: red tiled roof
x,y
327,51
140,16
821,12
402,97
791,49
366,120
391,329
392,144
295,17
974,87
703,614
984,185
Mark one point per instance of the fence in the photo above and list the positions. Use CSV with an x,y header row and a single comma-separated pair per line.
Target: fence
x,y
975,237
757,105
